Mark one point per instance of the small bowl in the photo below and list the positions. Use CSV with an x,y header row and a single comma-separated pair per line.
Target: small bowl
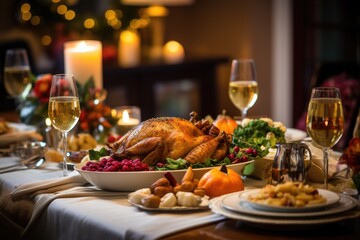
x,y
27,149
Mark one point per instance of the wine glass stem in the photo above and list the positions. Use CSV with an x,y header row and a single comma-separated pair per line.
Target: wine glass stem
x,y
243,113
326,167
65,169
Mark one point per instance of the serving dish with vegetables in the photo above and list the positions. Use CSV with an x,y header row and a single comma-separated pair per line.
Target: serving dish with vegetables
x,y
173,145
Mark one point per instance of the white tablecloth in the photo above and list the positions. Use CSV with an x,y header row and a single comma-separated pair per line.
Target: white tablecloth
x,y
99,217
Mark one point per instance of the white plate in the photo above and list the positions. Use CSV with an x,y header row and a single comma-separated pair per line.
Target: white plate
x,y
132,181
331,199
216,206
20,132
294,135
170,209
233,202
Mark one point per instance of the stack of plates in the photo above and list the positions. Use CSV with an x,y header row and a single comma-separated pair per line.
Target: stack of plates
x,y
236,206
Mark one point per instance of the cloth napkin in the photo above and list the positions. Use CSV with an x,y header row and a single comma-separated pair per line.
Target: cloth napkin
x,y
19,203
42,193
43,200
30,190
316,172
9,163
18,136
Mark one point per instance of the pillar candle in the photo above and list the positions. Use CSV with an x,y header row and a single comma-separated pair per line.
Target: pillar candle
x,y
129,48
83,59
173,52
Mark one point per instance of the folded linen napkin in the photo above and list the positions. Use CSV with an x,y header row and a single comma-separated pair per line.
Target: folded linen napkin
x,y
9,163
30,190
19,203
43,200
18,136
316,172
43,192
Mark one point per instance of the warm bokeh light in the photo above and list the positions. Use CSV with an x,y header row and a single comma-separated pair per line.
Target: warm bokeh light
x,y
33,13
115,23
119,13
61,9
25,8
70,15
26,16
135,24
157,11
72,2
46,40
144,22
110,14
35,20
89,23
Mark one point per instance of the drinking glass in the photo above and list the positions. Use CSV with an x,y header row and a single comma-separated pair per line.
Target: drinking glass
x,y
64,108
325,121
243,88
17,73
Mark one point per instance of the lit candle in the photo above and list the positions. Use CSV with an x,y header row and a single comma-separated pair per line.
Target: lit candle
x,y
129,49
83,59
128,119
173,52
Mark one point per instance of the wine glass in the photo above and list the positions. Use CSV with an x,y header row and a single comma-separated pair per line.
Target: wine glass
x,y
243,88
64,108
17,73
325,121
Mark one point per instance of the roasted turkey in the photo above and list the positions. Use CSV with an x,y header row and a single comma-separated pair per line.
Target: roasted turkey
x,y
156,139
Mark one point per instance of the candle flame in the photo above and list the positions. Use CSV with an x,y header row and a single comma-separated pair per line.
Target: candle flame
x,y
326,122
82,47
125,116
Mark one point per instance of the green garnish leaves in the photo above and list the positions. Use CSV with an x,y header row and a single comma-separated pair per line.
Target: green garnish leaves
x,y
259,135
176,164
96,155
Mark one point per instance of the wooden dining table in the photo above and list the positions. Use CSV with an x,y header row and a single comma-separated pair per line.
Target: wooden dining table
x,y
233,229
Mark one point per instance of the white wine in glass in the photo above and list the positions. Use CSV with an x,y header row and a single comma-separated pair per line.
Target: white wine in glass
x,y
64,108
325,121
243,88
17,73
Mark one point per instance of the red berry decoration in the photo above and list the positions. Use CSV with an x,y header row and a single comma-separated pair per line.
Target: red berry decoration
x,y
236,149
244,159
254,153
249,151
112,165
